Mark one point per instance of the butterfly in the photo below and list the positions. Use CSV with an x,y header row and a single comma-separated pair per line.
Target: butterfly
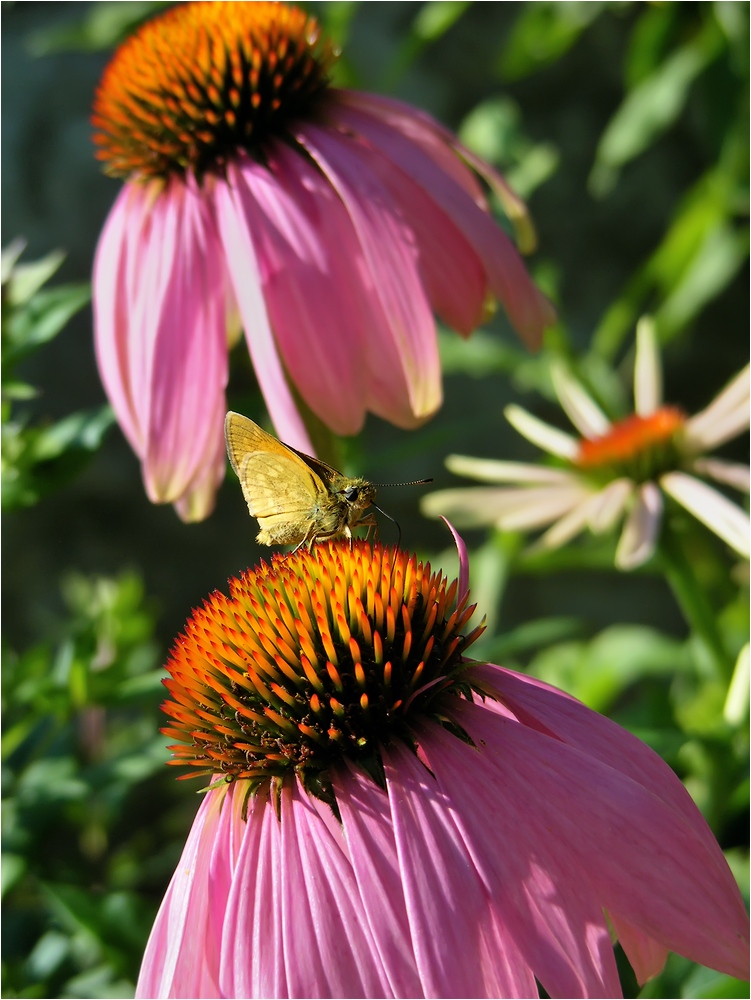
x,y
297,499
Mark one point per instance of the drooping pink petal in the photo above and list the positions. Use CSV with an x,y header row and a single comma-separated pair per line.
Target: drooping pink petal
x,y
547,910
388,246
452,272
160,329
450,912
540,706
367,827
111,305
647,956
242,263
184,918
327,950
643,858
200,494
527,308
310,264
252,958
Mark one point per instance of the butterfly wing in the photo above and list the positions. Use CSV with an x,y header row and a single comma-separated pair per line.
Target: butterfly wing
x,y
280,488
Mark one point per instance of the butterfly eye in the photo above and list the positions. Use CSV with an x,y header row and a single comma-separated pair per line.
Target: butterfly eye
x,y
351,493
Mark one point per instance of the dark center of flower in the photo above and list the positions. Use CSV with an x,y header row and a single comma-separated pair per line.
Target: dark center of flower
x,y
637,447
323,654
204,79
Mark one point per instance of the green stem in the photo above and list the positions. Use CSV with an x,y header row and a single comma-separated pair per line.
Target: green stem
x,y
692,600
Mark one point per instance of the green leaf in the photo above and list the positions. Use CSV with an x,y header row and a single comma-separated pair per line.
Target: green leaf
x,y
651,108
543,33
433,20
13,870
25,280
42,319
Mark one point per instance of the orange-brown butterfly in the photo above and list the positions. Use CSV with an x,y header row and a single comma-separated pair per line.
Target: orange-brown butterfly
x,y
297,499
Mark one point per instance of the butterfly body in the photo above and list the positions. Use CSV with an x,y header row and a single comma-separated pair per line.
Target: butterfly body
x,y
297,499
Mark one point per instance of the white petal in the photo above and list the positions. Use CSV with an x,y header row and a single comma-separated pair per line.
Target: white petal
x,y
548,438
609,505
510,509
647,370
567,527
490,470
724,418
726,519
736,703
534,507
639,534
582,410
731,473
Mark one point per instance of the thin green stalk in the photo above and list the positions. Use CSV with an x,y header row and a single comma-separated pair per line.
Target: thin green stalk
x,y
692,600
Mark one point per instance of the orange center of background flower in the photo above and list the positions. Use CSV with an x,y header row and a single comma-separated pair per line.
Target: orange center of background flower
x,y
321,655
630,439
203,80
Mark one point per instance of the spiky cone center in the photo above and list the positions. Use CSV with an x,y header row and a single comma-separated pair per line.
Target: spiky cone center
x,y
637,447
318,656
203,80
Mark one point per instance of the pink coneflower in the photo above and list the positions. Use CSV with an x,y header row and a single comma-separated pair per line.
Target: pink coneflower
x,y
614,471
335,223
390,819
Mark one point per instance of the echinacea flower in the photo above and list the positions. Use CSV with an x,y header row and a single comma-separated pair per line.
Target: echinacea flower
x,y
387,818
614,469
333,223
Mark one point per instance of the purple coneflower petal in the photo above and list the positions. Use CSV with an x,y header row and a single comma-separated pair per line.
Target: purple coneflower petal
x,y
452,918
388,248
529,311
491,470
580,408
309,259
233,221
657,872
647,369
549,912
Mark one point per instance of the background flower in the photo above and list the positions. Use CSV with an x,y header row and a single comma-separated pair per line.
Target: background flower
x,y
614,468
400,821
334,222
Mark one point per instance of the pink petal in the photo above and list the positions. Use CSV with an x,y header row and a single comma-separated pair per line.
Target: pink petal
x,y
367,827
200,495
308,258
160,321
235,229
252,958
111,306
644,858
528,310
461,549
647,956
452,272
184,918
409,358
452,918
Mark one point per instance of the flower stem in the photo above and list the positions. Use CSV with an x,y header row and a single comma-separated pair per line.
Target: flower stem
x,y
692,600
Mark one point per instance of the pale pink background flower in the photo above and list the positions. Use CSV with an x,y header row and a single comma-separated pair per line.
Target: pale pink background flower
x,y
335,238
577,495
483,863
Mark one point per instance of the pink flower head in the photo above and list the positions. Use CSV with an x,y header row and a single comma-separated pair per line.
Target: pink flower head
x,y
335,223
389,819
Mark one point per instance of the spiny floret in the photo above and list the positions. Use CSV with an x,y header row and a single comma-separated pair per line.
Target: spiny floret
x,y
204,79
319,655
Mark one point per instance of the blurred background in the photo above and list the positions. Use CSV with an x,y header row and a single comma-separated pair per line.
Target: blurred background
x,y
624,126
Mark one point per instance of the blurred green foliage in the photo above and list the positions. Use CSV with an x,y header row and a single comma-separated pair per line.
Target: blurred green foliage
x,y
92,822
39,458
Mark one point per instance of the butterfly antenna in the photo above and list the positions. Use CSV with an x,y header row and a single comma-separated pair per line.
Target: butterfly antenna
x,y
415,482
398,526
